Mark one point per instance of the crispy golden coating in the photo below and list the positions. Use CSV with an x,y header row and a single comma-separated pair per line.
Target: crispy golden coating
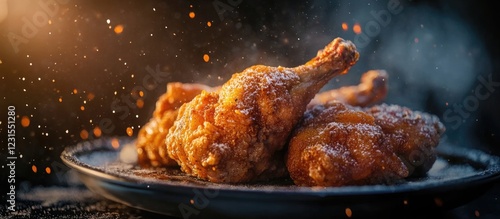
x,y
237,134
150,143
372,89
412,135
338,145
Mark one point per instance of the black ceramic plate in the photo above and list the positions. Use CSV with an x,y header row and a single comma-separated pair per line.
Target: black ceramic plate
x,y
105,167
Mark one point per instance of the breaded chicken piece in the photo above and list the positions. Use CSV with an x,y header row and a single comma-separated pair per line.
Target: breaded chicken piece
x,y
237,134
412,135
337,145
150,142
372,89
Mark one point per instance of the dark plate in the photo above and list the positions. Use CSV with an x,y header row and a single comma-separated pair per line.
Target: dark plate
x,y
458,176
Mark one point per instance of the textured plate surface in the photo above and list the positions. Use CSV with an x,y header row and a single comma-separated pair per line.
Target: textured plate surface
x,y
106,166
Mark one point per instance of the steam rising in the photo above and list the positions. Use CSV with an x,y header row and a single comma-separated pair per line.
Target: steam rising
x,y
432,54
128,154
432,57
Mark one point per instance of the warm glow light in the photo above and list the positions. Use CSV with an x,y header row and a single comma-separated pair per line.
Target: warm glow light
x,y
141,93
34,169
191,14
60,99
82,108
345,26
209,24
118,29
47,170
130,131
25,121
348,212
97,132
206,58
115,143
356,28
84,134
3,10
90,96
139,103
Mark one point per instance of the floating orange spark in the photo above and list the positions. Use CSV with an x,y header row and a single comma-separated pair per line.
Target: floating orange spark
x,y
348,212
34,169
356,28
25,121
115,143
84,134
97,132
90,96
206,58
209,24
192,14
47,170
345,26
139,103
130,131
118,29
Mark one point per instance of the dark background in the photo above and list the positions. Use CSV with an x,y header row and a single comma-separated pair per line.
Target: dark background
x,y
66,70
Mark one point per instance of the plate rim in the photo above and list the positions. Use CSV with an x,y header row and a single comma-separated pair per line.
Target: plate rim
x,y
490,174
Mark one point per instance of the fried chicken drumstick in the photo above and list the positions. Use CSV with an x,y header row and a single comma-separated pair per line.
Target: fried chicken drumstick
x,y
151,146
237,134
372,89
150,143
337,144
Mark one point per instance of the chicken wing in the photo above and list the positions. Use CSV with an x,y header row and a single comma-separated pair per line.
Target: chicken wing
x,y
237,134
337,145
372,89
150,142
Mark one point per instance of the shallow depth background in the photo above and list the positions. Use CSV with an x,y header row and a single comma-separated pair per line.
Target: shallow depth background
x,y
80,70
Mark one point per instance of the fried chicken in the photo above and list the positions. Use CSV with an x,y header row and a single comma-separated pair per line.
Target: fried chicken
x,y
372,89
237,134
150,142
337,144
151,146
412,135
